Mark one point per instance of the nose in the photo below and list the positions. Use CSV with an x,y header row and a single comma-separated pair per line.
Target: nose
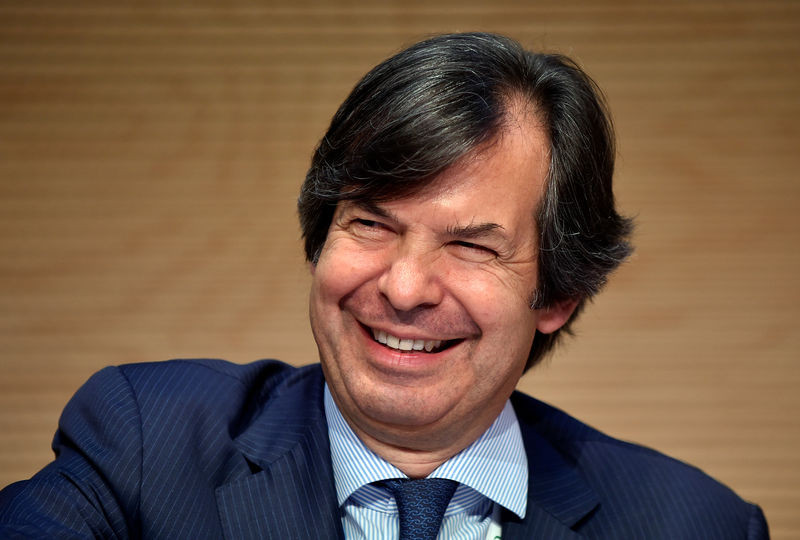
x,y
411,280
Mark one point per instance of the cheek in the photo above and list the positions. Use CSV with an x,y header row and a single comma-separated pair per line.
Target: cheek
x,y
496,303
340,271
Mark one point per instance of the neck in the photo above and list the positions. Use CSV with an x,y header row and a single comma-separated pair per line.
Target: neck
x,y
417,454
413,463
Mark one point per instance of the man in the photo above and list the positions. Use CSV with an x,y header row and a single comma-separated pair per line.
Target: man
x,y
457,215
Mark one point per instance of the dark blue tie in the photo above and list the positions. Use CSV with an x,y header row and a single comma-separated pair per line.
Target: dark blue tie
x,y
421,504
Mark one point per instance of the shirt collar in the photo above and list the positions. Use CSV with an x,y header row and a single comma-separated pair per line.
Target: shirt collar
x,y
495,464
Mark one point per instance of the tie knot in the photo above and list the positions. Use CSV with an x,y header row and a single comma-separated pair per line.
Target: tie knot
x,y
421,504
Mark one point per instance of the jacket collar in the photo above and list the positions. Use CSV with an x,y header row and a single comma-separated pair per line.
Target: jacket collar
x,y
558,496
291,491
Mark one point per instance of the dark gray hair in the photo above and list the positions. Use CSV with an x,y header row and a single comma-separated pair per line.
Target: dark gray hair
x,y
418,112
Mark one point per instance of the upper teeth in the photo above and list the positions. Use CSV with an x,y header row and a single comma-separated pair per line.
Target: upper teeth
x,y
405,344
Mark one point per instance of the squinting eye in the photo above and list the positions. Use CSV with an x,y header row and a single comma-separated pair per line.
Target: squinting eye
x,y
477,248
367,223
368,228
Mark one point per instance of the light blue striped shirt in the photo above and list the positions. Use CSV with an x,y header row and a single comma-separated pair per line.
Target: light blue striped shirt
x,y
492,470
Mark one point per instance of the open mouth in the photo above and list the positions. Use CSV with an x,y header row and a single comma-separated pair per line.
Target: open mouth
x,y
417,345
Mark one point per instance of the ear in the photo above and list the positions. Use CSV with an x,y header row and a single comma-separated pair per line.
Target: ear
x,y
555,316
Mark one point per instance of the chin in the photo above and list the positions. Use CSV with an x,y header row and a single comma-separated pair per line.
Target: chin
x,y
405,406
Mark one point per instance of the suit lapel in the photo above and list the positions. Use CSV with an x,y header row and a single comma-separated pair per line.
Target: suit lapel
x,y
558,496
291,492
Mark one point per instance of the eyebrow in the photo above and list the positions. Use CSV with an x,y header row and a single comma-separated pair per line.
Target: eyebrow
x,y
373,208
471,231
474,230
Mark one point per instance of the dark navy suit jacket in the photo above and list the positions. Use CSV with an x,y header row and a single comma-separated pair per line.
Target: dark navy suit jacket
x,y
202,449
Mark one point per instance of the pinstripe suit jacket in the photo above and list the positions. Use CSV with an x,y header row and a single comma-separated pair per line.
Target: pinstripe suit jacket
x,y
207,449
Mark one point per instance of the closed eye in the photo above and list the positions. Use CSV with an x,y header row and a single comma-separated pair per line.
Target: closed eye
x,y
367,222
369,229
475,247
369,225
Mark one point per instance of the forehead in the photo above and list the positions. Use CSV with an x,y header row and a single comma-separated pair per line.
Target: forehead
x,y
507,174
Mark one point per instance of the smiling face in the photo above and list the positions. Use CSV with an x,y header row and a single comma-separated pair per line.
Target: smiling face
x,y
421,306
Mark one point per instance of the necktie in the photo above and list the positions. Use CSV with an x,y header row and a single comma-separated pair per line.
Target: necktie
x,y
421,504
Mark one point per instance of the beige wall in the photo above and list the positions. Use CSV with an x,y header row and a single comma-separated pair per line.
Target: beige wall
x,y
150,159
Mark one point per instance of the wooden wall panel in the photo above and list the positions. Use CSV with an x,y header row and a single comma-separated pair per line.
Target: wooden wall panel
x,y
150,156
